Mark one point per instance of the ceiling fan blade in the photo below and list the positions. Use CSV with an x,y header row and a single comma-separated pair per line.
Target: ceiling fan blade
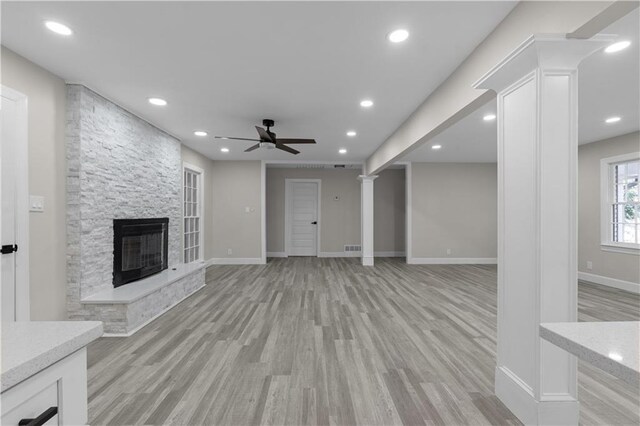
x,y
287,148
251,148
292,141
237,139
264,136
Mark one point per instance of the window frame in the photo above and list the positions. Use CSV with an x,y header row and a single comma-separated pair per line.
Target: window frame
x,y
606,201
199,173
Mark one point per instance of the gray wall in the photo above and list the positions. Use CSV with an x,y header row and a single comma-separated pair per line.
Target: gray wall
x,y
454,206
340,219
620,266
199,160
47,231
235,186
389,211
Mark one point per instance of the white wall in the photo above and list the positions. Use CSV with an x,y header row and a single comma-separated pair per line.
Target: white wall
x,y
454,206
235,186
389,212
47,167
196,159
619,266
340,219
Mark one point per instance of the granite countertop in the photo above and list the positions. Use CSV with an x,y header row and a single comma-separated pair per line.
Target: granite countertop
x,y
612,346
31,346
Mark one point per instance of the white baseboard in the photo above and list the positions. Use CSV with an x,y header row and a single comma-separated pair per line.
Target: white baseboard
x,y
234,261
147,322
389,254
452,261
610,282
276,254
519,399
339,254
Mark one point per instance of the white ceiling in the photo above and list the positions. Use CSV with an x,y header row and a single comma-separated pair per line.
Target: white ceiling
x,y
608,86
223,66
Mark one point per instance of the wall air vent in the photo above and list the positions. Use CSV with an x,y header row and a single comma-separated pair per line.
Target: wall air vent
x,y
352,248
339,166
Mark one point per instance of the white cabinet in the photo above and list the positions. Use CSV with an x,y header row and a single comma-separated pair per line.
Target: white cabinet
x,y
62,385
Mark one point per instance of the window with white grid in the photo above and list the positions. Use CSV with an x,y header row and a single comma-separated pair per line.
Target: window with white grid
x,y
621,203
192,187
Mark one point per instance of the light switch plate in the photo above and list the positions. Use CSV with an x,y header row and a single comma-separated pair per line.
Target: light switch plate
x,y
36,203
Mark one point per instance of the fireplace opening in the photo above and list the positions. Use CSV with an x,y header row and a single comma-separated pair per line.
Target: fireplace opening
x,y
139,248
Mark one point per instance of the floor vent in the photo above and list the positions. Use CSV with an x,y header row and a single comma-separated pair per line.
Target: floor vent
x,y
352,248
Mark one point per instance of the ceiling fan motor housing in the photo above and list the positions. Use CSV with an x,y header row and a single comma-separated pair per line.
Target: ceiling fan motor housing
x,y
267,122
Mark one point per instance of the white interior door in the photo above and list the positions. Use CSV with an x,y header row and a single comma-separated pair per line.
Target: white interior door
x,y
303,218
8,226
14,259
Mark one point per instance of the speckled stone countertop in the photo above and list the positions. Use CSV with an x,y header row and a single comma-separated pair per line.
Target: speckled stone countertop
x,y
612,346
31,346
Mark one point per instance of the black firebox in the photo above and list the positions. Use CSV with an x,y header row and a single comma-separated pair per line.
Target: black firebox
x,y
139,248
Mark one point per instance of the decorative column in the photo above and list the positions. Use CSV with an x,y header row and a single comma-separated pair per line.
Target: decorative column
x,y
366,218
537,221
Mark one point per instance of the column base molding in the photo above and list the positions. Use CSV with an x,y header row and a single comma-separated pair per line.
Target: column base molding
x,y
367,260
519,399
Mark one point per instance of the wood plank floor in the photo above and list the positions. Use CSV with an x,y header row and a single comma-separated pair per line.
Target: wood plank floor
x,y
326,341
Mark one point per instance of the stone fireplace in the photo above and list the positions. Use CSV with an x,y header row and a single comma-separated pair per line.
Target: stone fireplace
x,y
121,168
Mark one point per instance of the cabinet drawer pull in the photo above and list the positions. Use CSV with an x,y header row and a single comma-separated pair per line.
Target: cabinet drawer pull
x,y
41,419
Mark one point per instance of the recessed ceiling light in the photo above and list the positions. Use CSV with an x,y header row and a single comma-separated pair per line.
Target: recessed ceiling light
x,y
436,146
157,101
351,133
489,117
342,151
58,28
366,103
618,46
398,36
612,120
200,133
225,150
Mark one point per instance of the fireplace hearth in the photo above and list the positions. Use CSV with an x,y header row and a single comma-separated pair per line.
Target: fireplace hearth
x,y
140,248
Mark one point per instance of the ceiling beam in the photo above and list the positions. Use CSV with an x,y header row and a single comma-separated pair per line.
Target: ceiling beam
x,y
456,98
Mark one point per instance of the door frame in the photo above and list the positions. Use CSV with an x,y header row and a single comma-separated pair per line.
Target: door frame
x,y
287,213
22,303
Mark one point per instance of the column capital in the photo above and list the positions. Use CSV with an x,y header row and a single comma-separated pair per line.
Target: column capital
x,y
367,178
546,51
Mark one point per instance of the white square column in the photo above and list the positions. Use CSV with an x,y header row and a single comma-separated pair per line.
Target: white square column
x,y
366,218
537,222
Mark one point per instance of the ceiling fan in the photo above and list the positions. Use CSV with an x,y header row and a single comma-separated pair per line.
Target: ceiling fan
x,y
268,139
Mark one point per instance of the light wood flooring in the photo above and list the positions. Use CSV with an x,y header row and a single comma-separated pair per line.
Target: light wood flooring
x,y
304,341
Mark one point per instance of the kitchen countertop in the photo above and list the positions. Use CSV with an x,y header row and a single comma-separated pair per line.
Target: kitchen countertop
x,y
31,346
612,346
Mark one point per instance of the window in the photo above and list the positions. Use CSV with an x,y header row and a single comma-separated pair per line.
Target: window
x,y
620,203
192,190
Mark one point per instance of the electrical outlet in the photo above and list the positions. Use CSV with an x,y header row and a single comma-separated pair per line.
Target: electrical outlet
x,y
229,251
589,265
448,252
36,203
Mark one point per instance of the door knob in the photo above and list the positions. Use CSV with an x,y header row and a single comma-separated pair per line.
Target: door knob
x,y
315,222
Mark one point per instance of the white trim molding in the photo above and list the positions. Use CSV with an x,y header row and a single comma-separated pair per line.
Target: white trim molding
x,y
234,261
452,261
277,254
389,254
610,282
263,210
